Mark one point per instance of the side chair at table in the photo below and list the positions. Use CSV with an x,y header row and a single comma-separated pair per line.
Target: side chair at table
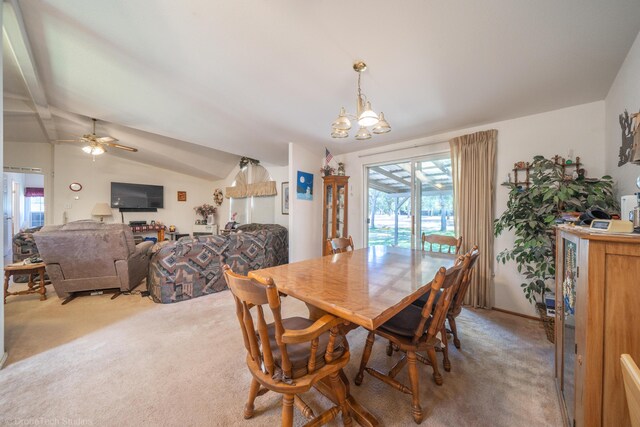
x,y
339,245
445,244
414,329
288,356
458,298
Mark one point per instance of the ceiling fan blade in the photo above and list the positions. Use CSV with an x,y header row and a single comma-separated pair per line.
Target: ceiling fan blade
x,y
67,140
106,139
120,146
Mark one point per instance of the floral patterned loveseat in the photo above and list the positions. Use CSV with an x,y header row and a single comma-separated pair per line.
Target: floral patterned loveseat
x,y
192,267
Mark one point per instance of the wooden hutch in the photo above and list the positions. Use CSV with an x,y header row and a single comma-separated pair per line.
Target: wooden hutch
x,y
597,320
335,205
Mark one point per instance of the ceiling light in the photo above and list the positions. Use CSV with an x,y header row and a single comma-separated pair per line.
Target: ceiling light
x,y
382,126
365,116
93,149
363,133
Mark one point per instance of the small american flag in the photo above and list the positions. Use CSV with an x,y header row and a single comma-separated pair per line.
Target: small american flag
x,y
328,156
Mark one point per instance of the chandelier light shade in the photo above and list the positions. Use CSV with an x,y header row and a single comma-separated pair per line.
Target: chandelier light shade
x,y
365,116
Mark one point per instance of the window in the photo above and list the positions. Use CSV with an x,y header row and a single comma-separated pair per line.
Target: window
x,y
36,209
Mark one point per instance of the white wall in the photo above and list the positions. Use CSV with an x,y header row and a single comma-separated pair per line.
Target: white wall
x,y
72,165
34,155
624,94
579,128
305,219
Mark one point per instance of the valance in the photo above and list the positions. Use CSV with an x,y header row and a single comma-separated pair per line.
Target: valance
x,y
33,192
254,180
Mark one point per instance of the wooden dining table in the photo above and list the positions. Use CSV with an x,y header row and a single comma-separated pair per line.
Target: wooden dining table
x,y
365,287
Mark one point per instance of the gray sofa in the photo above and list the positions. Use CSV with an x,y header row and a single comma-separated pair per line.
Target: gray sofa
x,y
89,255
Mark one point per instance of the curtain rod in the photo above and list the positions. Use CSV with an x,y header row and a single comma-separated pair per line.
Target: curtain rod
x,y
403,148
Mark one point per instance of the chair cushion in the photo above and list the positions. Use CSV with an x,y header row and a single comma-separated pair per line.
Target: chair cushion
x,y
299,353
405,322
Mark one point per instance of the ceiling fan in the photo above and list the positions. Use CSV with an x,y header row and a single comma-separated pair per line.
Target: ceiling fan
x,y
96,145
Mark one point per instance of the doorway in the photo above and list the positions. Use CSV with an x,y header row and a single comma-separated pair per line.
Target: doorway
x,y
407,198
23,205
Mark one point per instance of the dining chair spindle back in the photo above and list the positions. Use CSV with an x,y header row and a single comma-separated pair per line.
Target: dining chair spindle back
x,y
288,356
443,244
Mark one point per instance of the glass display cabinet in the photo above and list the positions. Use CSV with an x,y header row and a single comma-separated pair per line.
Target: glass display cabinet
x,y
335,206
597,320
566,345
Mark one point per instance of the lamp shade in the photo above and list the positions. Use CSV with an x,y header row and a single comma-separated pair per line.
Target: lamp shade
x,y
363,133
382,126
102,210
342,122
92,149
367,117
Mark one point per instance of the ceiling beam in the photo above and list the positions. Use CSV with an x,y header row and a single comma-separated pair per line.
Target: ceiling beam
x,y
13,30
444,169
383,187
422,177
390,175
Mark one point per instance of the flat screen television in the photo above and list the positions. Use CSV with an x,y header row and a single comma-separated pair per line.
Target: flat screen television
x,y
127,196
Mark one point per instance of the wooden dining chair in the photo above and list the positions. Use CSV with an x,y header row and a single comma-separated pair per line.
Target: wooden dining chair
x,y
288,356
339,245
631,376
458,299
455,309
414,329
444,244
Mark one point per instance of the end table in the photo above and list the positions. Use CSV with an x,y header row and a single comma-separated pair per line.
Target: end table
x,y
31,270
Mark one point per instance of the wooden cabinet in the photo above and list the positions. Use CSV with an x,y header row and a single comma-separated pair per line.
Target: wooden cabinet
x,y
597,319
334,208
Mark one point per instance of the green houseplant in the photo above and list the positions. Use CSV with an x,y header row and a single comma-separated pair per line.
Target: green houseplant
x,y
531,213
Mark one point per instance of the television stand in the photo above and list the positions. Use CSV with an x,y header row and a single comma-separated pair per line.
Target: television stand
x,y
149,228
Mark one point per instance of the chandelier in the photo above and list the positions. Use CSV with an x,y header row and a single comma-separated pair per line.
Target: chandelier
x,y
365,116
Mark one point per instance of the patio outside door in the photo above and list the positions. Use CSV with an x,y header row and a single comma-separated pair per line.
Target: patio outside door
x,y
408,198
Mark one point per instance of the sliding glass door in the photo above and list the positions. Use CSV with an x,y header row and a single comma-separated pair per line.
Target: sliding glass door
x,y
389,210
408,198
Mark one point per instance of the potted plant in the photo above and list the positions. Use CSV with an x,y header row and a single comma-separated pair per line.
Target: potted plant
x,y
532,213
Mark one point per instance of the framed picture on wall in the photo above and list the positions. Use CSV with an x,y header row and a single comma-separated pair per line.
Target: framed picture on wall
x,y
182,196
285,198
304,186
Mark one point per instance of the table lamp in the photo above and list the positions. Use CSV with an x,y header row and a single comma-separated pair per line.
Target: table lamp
x,y
102,210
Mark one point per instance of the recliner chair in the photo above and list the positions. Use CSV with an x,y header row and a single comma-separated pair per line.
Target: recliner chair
x,y
88,255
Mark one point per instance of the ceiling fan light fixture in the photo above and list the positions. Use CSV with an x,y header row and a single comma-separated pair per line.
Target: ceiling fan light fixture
x,y
94,150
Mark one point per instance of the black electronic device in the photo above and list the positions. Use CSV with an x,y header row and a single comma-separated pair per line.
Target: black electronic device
x,y
132,223
136,197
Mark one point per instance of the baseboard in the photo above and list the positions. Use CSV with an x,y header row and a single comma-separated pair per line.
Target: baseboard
x,y
513,313
3,359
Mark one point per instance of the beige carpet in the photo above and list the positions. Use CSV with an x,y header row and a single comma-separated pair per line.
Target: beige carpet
x,y
133,362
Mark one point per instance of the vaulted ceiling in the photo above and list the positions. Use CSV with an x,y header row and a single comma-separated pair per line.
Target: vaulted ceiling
x,y
200,82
